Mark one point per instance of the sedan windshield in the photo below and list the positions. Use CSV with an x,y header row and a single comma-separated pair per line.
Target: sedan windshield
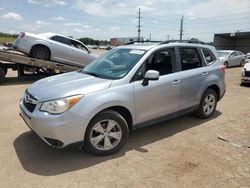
x,y
223,54
115,64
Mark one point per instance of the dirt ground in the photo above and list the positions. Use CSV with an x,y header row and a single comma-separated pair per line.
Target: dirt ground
x,y
183,152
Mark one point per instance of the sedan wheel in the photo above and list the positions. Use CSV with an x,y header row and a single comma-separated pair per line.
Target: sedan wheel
x,y
106,133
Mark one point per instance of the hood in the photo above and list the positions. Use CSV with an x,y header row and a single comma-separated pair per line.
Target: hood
x,y
247,66
67,84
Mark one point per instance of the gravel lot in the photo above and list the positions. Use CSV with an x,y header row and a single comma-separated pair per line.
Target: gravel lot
x,y
183,152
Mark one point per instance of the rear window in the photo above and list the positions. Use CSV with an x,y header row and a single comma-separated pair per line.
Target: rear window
x,y
190,58
209,56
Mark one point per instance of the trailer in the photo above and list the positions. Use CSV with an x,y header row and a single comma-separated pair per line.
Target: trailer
x,y
27,66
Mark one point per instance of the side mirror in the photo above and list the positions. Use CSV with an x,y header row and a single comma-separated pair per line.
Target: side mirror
x,y
150,75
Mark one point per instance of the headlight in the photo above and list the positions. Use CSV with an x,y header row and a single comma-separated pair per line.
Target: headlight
x,y
60,105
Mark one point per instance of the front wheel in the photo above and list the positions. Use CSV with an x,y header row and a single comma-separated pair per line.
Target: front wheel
x,y
106,133
208,104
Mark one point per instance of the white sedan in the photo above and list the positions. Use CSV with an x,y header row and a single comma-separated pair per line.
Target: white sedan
x,y
54,47
232,58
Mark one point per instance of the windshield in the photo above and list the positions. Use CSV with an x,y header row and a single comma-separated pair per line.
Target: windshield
x,y
223,54
115,64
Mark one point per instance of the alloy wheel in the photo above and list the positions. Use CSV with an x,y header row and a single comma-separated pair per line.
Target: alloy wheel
x,y
106,135
209,104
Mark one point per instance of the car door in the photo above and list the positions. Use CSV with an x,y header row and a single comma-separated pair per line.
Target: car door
x,y
61,49
193,74
161,97
80,53
234,59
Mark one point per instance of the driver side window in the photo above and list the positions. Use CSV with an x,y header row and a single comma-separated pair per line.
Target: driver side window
x,y
161,61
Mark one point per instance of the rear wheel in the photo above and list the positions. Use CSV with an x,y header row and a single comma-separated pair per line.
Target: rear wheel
x,y
40,52
208,104
106,133
226,64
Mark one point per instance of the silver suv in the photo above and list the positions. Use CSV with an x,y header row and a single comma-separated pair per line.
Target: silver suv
x,y
128,87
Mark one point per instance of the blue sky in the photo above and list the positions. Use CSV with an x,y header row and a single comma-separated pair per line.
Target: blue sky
x,y
104,19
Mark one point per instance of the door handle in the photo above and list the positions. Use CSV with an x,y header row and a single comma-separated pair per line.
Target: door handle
x,y
204,74
175,82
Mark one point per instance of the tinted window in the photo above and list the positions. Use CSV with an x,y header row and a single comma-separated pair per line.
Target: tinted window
x,y
161,61
233,54
239,53
190,58
208,55
78,45
61,40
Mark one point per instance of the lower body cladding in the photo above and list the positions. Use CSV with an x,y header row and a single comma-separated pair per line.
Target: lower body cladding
x,y
57,131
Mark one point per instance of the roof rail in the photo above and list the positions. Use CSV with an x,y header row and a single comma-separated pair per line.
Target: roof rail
x,y
141,42
182,41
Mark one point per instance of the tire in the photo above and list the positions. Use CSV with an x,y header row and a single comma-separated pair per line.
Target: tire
x,y
40,52
226,64
98,139
207,104
2,75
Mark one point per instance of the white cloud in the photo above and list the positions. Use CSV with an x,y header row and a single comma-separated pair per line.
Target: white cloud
x,y
86,26
115,28
33,1
59,2
2,8
73,24
47,3
107,8
78,30
42,23
29,27
59,18
12,16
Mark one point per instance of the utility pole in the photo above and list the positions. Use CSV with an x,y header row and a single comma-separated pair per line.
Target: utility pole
x,y
150,36
139,25
181,28
168,37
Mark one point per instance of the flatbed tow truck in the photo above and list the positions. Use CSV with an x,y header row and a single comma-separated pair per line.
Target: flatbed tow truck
x,y
27,66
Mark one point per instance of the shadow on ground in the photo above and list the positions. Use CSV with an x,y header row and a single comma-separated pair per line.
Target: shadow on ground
x,y
38,158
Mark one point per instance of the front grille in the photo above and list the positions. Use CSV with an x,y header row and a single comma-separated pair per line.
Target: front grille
x,y
29,106
247,73
29,102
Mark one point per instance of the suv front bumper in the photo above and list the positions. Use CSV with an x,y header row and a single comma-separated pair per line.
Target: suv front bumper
x,y
56,130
